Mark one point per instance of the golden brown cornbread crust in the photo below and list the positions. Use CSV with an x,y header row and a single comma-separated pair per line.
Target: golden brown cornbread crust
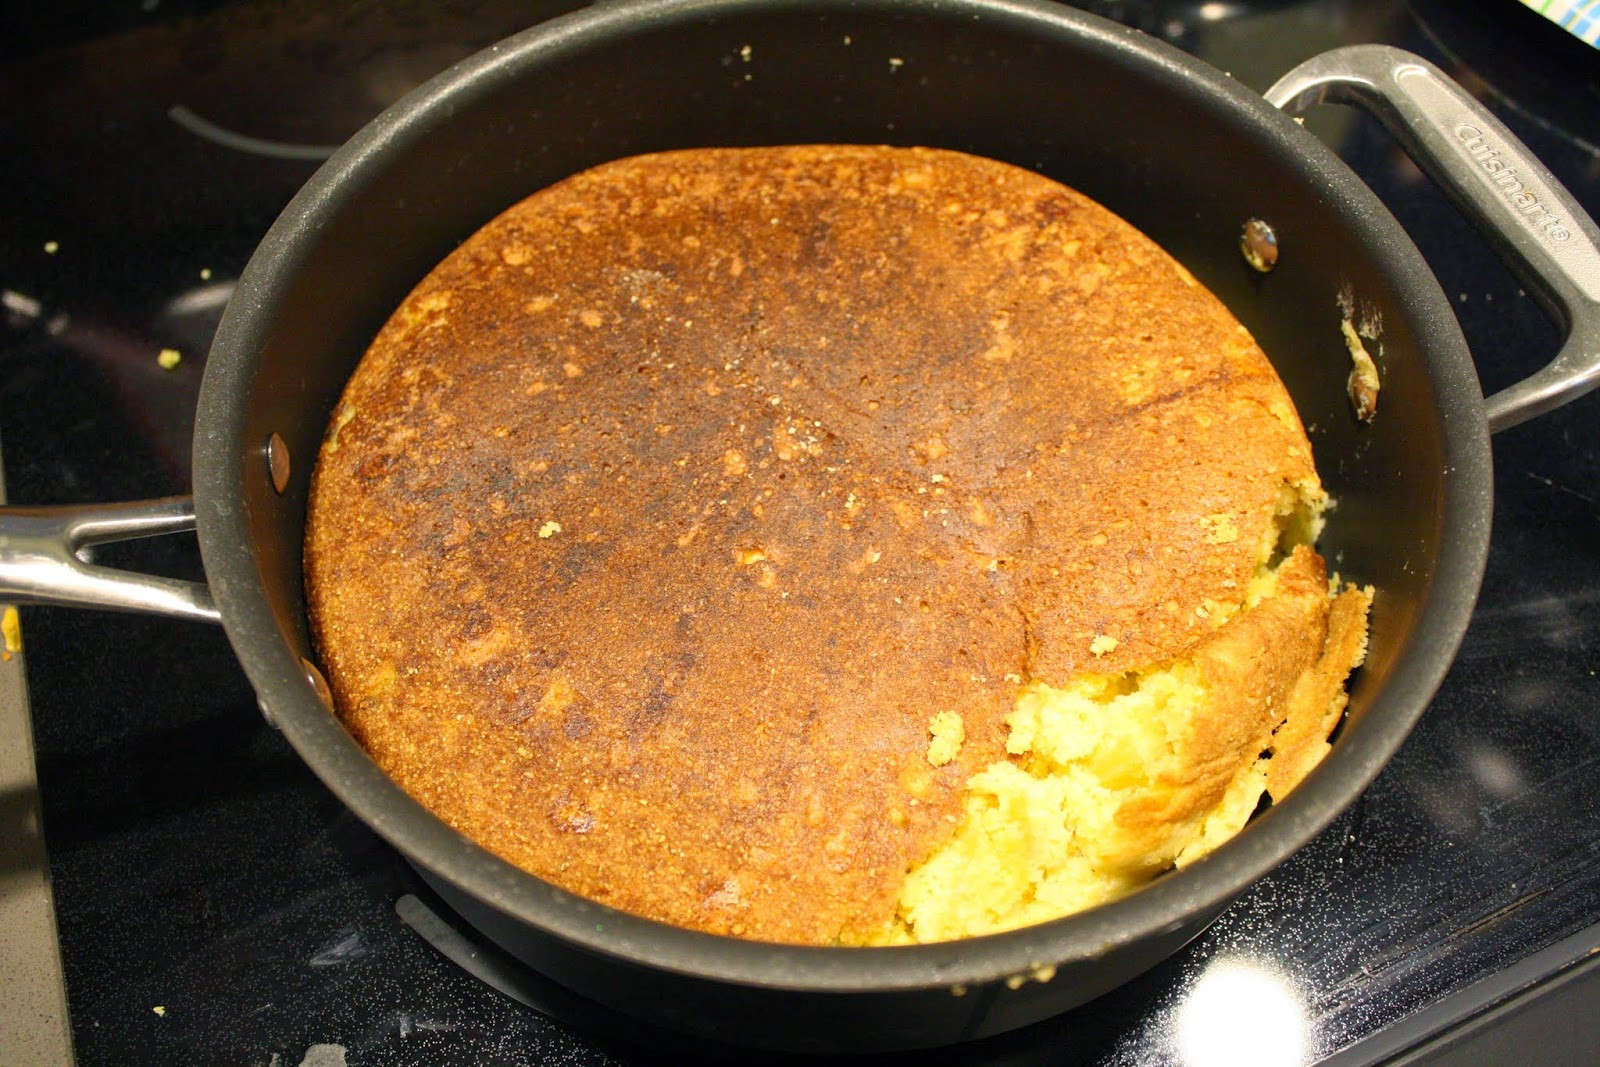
x,y
1273,676
662,516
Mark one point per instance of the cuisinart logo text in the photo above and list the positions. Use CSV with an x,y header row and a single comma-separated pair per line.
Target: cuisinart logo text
x,y
1505,179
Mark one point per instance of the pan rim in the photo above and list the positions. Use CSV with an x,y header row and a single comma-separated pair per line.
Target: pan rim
x,y
223,454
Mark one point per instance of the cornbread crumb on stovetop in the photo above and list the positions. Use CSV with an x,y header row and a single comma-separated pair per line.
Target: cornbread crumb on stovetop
x,y
724,534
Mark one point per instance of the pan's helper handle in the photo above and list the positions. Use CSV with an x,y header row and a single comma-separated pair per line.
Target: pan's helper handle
x,y
40,561
1546,239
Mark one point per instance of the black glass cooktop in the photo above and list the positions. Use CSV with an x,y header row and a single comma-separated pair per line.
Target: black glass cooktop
x,y
215,903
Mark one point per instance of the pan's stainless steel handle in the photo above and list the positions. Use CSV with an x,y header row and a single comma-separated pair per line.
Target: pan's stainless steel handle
x,y
1546,239
40,561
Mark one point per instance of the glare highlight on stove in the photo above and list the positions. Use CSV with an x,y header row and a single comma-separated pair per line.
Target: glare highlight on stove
x,y
201,300
1241,1014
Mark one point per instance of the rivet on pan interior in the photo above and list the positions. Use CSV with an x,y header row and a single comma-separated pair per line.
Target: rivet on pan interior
x,y
318,682
1259,244
278,462
266,713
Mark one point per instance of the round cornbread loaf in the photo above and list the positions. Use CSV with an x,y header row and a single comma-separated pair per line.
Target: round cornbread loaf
x,y
665,514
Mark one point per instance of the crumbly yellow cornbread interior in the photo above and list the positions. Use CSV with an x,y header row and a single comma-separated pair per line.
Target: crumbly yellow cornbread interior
x,y
1042,834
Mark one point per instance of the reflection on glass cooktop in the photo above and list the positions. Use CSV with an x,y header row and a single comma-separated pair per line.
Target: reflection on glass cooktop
x,y
216,904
